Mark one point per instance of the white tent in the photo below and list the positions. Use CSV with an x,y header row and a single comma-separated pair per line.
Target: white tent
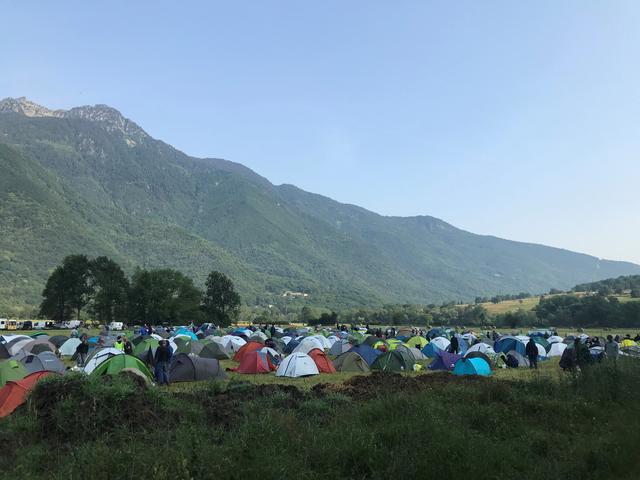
x,y
99,357
286,339
17,343
554,339
542,352
322,340
68,348
308,344
270,351
441,342
297,365
480,347
556,349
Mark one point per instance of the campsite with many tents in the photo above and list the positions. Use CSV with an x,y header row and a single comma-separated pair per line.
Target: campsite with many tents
x,y
322,387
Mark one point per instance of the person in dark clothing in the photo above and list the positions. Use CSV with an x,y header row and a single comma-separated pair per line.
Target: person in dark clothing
x,y
82,350
581,354
162,358
454,346
272,330
128,347
532,353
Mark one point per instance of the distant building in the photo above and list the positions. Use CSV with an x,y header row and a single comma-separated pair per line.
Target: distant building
x,y
289,294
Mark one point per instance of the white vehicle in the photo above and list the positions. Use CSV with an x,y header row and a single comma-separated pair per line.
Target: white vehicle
x,y
3,323
42,324
72,324
116,326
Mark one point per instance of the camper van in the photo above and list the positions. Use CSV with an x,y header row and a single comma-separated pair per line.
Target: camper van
x,y
42,324
116,326
8,324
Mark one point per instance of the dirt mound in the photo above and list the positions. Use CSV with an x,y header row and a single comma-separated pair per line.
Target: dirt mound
x,y
365,387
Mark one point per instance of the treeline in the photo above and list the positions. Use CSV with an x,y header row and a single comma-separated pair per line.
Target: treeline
x,y
100,287
612,286
502,298
588,311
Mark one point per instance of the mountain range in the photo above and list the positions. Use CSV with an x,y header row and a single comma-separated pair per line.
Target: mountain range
x,y
88,180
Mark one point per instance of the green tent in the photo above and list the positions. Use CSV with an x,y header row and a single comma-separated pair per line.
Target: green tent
x,y
146,344
394,361
11,370
541,341
350,362
118,363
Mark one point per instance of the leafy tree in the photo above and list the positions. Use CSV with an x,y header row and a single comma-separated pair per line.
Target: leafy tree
x,y
635,293
220,303
111,290
68,289
163,296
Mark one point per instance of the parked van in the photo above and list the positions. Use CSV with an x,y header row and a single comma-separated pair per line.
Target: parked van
x,y
42,324
116,326
3,323
72,324
8,324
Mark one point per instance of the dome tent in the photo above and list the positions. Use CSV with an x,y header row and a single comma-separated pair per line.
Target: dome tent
x,y
15,392
214,350
339,347
246,348
394,361
43,362
11,370
444,361
99,356
117,363
297,365
556,349
471,366
368,353
191,368
417,342
435,345
351,362
68,348
322,361
255,361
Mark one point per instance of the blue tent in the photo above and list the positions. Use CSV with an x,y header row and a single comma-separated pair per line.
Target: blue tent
x,y
184,331
368,353
463,346
431,350
437,332
288,348
506,344
472,366
444,361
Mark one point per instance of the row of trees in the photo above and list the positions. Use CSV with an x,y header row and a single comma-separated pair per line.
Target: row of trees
x,y
589,310
101,287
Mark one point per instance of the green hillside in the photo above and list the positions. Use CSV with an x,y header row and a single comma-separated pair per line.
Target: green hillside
x,y
90,181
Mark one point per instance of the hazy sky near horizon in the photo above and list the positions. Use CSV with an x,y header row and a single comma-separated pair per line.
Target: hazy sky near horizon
x,y
515,119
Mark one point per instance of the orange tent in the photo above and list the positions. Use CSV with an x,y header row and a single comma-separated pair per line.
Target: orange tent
x,y
255,362
14,394
322,361
246,348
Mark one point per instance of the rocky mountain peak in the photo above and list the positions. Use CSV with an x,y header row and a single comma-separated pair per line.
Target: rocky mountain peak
x,y
108,117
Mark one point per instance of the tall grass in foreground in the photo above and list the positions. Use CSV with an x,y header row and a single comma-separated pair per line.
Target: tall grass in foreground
x,y
585,426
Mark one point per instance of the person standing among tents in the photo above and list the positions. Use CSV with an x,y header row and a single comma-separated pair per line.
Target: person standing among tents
x,y
82,350
532,353
119,344
162,359
454,346
128,348
581,353
611,348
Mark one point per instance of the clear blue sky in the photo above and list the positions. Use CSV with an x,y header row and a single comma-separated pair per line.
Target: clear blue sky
x,y
518,119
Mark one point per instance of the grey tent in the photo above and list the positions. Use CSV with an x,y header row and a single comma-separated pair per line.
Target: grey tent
x,y
58,340
45,361
350,362
414,352
39,346
522,360
4,353
191,368
339,347
214,350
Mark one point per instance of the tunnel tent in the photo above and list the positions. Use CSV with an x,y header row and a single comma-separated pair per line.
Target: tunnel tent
x,y
191,368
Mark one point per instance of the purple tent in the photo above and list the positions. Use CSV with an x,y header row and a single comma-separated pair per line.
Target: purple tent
x,y
444,361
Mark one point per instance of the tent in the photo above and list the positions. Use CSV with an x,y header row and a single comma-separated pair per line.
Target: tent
x,y
297,365
142,347
322,361
472,366
541,341
58,340
627,342
556,349
17,343
393,343
368,353
68,348
521,359
480,347
255,361
481,355
507,343
554,339
436,345
4,353
117,363
339,347
45,361
370,341
183,345
444,361
350,362
414,352
417,342
11,370
394,361
437,332
214,350
40,345
307,344
184,332
258,337
191,368
246,348
98,356
14,393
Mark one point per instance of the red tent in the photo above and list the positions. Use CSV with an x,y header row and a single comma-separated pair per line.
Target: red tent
x,y
255,362
246,348
322,361
14,394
